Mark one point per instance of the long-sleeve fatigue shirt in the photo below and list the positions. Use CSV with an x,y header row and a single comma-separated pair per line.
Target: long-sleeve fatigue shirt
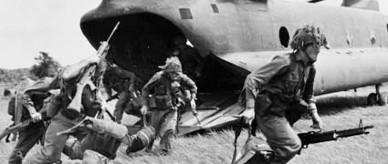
x,y
286,76
119,79
34,95
161,85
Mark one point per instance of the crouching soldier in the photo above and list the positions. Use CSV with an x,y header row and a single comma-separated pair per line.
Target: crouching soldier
x,y
34,106
164,116
104,139
277,94
71,79
123,82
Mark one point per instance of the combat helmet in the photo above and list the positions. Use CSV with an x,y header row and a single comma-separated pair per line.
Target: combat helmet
x,y
172,65
308,35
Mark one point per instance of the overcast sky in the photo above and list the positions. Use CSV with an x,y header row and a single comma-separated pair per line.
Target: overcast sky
x,y
30,26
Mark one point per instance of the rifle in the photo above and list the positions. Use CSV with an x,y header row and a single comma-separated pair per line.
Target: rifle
x,y
74,108
317,137
113,97
16,127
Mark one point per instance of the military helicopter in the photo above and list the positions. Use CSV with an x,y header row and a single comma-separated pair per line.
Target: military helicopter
x,y
235,37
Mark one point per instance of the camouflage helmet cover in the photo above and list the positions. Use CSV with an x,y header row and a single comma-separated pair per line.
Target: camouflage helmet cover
x,y
172,65
308,35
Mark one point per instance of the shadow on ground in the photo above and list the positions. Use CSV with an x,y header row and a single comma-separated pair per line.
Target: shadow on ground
x,y
338,104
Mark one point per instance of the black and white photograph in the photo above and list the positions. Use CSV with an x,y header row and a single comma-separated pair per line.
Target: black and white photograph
x,y
194,81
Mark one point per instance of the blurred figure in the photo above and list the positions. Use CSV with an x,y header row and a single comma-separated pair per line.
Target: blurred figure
x,y
123,82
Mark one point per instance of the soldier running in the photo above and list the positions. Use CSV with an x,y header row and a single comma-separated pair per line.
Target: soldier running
x,y
123,82
33,100
163,86
277,94
64,118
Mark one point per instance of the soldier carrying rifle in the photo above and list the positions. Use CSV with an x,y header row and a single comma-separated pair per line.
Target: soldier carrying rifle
x,y
278,93
79,97
163,87
123,82
34,107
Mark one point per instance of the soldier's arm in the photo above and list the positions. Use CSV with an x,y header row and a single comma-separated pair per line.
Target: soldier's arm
x,y
125,74
255,80
28,103
40,87
308,94
107,86
149,86
190,84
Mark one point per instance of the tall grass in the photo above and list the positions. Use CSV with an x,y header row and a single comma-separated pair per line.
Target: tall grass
x,y
338,111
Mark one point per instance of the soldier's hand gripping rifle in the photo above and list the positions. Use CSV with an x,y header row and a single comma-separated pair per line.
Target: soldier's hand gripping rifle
x,y
16,127
90,72
317,137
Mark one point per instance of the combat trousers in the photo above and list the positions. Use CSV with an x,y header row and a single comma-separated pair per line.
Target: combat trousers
x,y
92,157
53,144
274,119
28,137
164,122
124,98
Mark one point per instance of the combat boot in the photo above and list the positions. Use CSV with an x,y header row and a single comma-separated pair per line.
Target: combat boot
x,y
255,154
140,140
165,142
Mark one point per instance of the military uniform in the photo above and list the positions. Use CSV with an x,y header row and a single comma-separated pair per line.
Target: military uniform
x,y
122,81
54,144
101,145
165,114
280,92
33,100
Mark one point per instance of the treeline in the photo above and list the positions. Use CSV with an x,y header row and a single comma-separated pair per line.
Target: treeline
x,y
45,66
14,75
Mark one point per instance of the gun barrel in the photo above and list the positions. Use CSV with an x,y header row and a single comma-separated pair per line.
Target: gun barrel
x,y
353,132
113,31
4,133
317,137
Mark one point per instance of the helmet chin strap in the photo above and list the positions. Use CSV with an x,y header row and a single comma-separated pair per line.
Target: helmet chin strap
x,y
308,57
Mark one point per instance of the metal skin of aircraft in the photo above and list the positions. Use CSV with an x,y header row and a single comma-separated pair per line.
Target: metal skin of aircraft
x,y
235,37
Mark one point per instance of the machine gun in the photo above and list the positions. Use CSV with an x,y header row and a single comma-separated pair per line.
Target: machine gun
x,y
90,72
317,137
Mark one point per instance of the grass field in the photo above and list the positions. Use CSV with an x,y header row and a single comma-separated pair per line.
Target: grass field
x,y
338,111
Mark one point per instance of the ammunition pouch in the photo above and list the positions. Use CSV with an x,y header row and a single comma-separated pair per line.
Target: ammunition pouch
x,y
163,101
101,143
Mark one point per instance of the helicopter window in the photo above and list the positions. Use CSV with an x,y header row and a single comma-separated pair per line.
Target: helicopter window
x,y
185,13
284,36
215,8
